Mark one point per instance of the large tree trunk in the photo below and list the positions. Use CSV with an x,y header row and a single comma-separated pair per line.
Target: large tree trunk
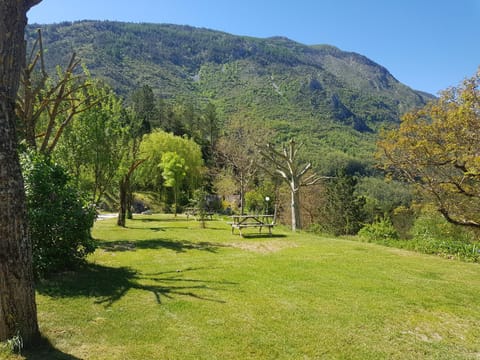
x,y
18,314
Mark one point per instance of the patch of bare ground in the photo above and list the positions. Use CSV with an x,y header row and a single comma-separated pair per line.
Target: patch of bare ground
x,y
437,326
264,247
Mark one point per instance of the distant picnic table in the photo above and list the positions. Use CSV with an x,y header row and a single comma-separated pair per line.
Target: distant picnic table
x,y
253,220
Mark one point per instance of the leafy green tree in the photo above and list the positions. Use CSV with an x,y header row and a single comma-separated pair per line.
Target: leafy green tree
x,y
145,108
130,162
383,197
436,148
224,183
211,127
94,144
200,203
256,199
343,210
173,121
174,171
188,115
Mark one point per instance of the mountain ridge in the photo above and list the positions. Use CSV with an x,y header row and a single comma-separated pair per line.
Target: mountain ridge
x,y
299,90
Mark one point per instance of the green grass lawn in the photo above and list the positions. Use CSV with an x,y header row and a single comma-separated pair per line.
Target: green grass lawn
x,y
164,288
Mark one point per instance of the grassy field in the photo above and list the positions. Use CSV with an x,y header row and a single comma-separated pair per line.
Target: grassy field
x,y
164,288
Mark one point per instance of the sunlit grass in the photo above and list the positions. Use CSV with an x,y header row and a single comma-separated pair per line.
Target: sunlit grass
x,y
164,288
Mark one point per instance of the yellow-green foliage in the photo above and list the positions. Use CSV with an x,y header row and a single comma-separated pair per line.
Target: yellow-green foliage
x,y
437,149
156,144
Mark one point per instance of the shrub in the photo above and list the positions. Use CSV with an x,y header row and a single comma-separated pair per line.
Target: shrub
x,y
255,202
431,226
432,235
447,248
403,219
381,230
59,220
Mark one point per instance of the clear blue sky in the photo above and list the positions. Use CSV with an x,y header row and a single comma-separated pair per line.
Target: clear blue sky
x,y
426,44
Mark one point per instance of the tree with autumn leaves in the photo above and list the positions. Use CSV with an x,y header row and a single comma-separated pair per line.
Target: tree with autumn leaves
x,y
438,149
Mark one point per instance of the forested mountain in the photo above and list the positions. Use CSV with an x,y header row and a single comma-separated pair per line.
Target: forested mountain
x,y
333,100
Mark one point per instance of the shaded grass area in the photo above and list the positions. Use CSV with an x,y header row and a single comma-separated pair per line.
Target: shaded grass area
x,y
109,284
163,289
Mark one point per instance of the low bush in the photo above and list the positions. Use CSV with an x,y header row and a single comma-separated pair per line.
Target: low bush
x,y
382,229
448,248
431,226
431,235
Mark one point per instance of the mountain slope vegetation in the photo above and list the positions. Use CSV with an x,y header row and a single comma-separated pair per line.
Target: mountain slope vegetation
x,y
331,99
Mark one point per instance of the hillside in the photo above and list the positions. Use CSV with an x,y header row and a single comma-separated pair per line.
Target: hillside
x,y
333,99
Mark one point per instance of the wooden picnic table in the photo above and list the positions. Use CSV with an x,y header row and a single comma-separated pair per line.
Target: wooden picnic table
x,y
253,220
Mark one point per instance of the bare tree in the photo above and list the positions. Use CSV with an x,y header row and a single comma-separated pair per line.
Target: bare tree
x,y
60,100
18,314
286,165
239,151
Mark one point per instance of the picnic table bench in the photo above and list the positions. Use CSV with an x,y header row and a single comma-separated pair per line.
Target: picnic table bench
x,y
249,221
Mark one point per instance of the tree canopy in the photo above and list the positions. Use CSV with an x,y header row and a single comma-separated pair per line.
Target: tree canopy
x,y
153,148
436,148
93,145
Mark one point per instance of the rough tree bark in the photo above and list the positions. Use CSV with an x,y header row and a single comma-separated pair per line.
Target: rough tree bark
x,y
18,314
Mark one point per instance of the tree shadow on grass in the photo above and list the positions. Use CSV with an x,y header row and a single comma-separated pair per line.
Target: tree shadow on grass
x,y
260,236
156,219
179,246
193,227
44,350
109,284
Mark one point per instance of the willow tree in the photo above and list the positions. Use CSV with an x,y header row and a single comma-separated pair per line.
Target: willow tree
x,y
174,171
18,314
152,176
436,148
294,174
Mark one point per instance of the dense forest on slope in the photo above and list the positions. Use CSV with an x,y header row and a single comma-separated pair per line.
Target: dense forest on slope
x,y
335,101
